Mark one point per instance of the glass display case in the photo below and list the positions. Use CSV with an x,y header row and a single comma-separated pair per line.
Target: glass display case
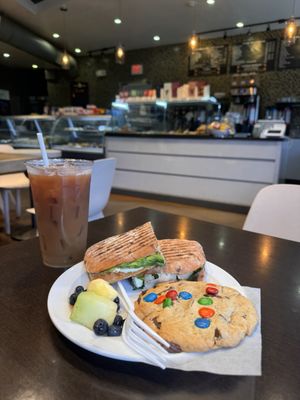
x,y
161,117
23,129
7,130
80,136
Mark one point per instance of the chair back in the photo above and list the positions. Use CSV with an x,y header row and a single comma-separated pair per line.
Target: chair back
x,y
101,184
275,211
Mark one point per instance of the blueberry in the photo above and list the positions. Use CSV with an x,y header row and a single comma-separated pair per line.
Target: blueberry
x,y
73,298
114,330
117,301
100,327
119,321
79,289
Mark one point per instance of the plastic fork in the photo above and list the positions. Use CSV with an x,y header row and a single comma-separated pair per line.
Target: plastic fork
x,y
140,337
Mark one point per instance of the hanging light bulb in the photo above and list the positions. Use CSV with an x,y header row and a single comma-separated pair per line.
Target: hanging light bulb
x,y
193,42
120,54
65,60
290,32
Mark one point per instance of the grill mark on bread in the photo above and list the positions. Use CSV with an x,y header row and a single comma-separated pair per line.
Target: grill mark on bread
x,y
181,256
127,247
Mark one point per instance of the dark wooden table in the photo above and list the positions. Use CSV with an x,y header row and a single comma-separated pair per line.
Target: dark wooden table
x,y
37,362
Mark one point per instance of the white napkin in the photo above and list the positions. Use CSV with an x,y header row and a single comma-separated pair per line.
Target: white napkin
x,y
245,359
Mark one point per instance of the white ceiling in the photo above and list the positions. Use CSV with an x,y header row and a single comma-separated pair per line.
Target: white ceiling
x,y
90,26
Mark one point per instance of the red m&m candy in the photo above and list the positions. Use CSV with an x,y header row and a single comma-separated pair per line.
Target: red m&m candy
x,y
172,294
212,290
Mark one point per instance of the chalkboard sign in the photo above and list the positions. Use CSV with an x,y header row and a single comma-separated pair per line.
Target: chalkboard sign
x,y
289,56
253,56
208,61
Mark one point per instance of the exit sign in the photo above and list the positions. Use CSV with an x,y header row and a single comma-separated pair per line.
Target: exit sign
x,y
137,69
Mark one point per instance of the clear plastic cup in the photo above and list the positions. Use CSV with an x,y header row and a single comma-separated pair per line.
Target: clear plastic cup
x,y
61,201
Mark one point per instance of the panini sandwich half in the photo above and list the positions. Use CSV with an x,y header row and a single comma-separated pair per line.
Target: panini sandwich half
x,y
125,255
184,259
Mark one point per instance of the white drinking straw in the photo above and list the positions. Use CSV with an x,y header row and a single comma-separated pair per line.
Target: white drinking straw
x,y
43,148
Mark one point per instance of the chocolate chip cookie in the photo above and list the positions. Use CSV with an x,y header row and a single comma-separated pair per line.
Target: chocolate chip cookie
x,y
197,316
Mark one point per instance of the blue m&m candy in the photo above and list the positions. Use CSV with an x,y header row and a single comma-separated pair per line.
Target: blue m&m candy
x,y
185,295
202,323
150,297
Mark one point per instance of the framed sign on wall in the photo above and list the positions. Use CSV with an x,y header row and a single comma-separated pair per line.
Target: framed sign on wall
x,y
289,56
208,61
253,56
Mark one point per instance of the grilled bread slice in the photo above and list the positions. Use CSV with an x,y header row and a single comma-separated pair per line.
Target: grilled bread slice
x,y
125,255
181,256
184,259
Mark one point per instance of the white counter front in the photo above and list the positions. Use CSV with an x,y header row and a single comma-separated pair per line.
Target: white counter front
x,y
211,170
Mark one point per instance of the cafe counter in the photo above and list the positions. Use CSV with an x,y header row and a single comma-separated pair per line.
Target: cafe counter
x,y
204,170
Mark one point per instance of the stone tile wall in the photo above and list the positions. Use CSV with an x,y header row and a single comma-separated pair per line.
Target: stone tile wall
x,y
167,64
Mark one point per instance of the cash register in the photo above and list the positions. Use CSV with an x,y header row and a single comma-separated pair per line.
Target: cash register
x,y
265,128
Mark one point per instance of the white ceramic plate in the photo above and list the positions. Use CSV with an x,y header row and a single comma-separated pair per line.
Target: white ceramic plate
x,y
112,347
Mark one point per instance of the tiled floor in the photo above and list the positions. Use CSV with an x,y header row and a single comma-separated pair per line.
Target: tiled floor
x,y
121,203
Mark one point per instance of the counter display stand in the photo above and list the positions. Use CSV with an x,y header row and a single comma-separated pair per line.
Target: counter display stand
x,y
205,170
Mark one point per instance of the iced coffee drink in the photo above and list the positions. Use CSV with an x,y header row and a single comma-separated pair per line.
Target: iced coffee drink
x,y
61,200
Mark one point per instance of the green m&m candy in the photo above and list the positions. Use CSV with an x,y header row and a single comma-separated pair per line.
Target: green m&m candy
x,y
167,302
205,301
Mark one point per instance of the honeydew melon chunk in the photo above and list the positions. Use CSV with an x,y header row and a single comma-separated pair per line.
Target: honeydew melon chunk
x,y
102,288
89,307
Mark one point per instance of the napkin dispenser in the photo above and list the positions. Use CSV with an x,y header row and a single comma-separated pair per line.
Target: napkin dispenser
x,y
265,128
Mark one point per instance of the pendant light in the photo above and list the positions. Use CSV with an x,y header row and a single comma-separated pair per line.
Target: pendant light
x,y
194,38
291,28
120,50
120,54
65,58
193,42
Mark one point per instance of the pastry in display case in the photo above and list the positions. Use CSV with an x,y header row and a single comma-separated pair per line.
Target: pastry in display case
x,y
164,117
80,136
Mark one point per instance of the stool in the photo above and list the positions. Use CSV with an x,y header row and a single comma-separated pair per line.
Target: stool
x,y
9,182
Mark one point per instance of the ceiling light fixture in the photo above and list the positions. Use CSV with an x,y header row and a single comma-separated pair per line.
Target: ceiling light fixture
x,y
77,50
55,35
193,42
156,38
240,24
120,54
210,2
65,58
35,66
6,55
117,21
291,28
290,32
120,50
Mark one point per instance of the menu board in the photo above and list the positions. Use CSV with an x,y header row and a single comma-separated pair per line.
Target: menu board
x,y
208,61
253,56
289,56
